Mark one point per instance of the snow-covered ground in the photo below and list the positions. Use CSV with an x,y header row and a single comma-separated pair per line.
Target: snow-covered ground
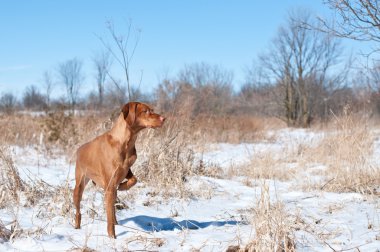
x,y
220,218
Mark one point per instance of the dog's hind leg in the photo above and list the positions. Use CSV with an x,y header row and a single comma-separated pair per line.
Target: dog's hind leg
x,y
80,183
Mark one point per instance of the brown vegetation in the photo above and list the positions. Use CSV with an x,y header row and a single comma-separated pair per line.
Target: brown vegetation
x,y
274,226
347,150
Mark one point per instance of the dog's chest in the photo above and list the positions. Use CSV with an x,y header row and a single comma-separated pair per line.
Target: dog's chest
x,y
128,157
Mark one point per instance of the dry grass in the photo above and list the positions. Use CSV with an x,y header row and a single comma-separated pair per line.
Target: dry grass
x,y
16,193
57,129
268,166
273,225
11,183
5,234
347,153
19,130
346,149
233,129
166,159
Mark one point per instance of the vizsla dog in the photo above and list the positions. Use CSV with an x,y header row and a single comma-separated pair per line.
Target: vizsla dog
x,y
107,159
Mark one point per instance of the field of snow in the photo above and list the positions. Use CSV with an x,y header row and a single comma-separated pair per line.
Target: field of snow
x,y
222,215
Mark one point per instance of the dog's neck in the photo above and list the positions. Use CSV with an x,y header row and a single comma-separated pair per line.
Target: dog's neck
x,y
123,133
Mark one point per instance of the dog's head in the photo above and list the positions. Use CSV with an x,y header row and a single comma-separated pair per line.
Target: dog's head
x,y
140,115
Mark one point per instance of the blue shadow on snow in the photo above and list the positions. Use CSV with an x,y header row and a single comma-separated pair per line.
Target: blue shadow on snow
x,y
149,223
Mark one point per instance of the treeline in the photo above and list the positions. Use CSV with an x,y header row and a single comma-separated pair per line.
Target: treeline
x,y
304,76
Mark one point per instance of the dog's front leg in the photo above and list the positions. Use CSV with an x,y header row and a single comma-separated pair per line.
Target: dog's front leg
x,y
131,181
110,198
114,215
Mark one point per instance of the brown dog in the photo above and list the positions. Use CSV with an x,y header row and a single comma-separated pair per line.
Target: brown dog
x,y
107,159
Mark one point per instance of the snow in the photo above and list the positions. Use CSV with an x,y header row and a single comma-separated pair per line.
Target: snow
x,y
226,155
213,222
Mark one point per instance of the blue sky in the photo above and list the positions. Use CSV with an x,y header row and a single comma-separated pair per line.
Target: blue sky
x,y
38,35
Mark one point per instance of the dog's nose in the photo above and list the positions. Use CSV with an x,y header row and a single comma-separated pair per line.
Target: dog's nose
x,y
162,119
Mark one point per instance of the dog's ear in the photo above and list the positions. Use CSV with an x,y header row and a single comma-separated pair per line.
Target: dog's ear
x,y
129,112
125,110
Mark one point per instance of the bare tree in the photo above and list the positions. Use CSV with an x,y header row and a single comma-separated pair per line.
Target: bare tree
x,y
48,85
356,19
33,99
8,103
71,76
256,96
298,62
102,65
123,50
359,20
373,79
116,94
199,89
212,87
166,92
